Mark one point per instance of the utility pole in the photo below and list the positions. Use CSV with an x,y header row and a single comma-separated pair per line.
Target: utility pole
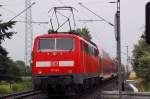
x,y
28,33
118,38
127,57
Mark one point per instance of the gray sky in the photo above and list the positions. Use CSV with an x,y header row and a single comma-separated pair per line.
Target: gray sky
x,y
132,22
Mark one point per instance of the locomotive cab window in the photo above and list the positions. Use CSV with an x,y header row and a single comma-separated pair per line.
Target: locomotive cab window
x,y
64,44
56,44
46,44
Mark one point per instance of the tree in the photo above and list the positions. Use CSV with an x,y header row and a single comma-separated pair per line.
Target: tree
x,y
85,33
4,30
13,72
22,67
4,60
141,59
143,67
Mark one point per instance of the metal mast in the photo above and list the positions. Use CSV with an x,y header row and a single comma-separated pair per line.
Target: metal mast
x,y
28,33
127,58
120,79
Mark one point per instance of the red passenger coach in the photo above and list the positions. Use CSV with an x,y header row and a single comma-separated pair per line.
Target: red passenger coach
x,y
108,66
64,59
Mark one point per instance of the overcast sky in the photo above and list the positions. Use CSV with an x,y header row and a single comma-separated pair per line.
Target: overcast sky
x,y
132,22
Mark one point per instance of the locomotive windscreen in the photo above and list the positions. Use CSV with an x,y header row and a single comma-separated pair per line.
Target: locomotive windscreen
x,y
46,44
55,44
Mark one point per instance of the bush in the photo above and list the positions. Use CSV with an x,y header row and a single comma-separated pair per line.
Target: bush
x,y
143,67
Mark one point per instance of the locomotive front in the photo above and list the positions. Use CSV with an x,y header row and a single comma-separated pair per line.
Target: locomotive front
x,y
55,59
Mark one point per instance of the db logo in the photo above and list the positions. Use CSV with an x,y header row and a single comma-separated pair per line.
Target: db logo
x,y
55,63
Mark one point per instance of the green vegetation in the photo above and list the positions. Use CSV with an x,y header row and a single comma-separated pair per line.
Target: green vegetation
x,y
7,66
141,61
141,64
84,32
143,86
11,71
24,85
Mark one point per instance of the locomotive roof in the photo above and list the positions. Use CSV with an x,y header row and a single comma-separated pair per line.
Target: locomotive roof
x,y
65,34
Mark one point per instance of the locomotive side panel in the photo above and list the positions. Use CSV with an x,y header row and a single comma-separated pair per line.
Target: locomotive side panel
x,y
90,59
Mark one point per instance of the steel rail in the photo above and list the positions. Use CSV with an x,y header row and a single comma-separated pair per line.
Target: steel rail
x,y
20,95
146,94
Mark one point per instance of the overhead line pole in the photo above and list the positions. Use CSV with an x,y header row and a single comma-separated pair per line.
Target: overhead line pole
x,y
127,58
118,38
28,33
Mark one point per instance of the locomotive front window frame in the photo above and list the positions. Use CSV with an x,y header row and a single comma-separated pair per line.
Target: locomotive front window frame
x,y
50,47
61,44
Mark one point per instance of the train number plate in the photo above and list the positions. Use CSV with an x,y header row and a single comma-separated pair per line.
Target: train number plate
x,y
54,63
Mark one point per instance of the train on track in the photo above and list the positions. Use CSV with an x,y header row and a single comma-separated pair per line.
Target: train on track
x,y
66,60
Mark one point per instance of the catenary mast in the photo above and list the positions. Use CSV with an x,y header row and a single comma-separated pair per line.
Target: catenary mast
x,y
28,33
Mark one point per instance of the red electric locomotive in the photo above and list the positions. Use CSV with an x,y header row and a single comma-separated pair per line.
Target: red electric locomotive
x,y
67,59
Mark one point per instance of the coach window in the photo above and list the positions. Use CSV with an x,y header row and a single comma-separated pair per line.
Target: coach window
x,y
46,44
64,44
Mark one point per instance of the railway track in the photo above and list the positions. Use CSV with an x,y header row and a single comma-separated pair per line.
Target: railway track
x,y
93,93
90,93
125,95
32,94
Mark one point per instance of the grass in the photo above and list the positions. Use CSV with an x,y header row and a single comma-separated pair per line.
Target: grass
x,y
143,86
7,88
140,83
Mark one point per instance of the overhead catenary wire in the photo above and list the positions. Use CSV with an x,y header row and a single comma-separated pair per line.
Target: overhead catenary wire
x,y
88,18
103,19
10,11
35,22
22,12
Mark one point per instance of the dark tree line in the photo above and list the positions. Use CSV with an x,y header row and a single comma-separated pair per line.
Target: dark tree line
x,y
9,70
6,64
